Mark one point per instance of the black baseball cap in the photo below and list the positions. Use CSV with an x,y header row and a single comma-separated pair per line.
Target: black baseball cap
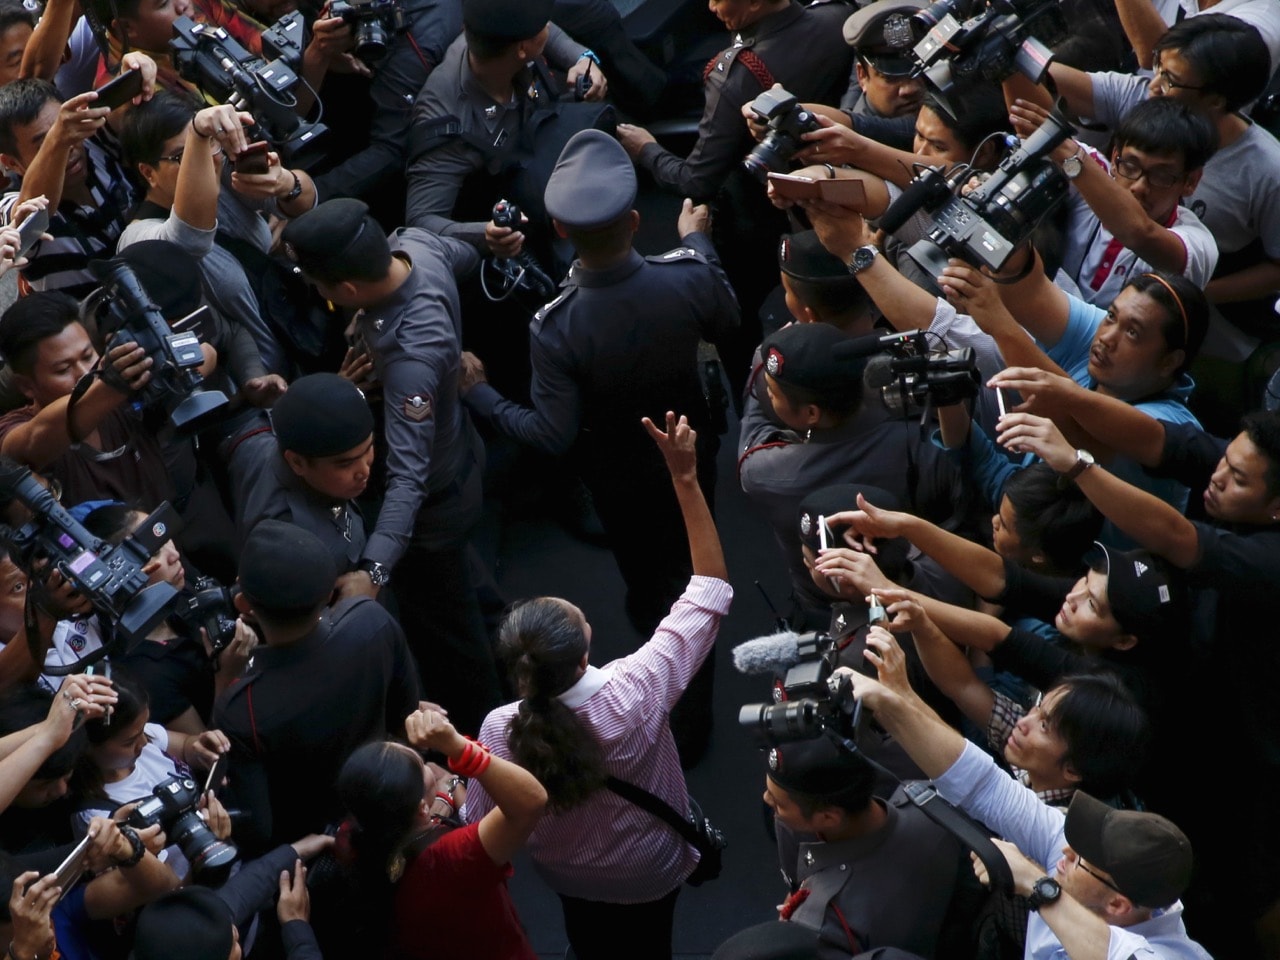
x,y
1145,594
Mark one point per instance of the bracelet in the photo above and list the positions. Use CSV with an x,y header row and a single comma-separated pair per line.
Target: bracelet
x,y
831,171
196,130
135,841
589,55
445,798
473,760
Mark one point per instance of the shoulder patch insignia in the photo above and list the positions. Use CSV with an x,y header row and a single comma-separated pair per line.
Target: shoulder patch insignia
x,y
546,308
418,408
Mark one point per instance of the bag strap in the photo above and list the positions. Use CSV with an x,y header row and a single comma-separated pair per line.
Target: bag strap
x,y
659,808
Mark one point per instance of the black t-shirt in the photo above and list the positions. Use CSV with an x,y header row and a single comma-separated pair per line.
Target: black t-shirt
x,y
176,674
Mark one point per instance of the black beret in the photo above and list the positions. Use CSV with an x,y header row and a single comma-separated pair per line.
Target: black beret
x,y
817,768
775,940
321,415
802,256
506,19
837,498
805,355
593,183
169,274
285,569
192,923
322,236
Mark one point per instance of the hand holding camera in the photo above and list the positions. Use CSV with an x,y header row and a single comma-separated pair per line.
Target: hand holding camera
x,y
126,368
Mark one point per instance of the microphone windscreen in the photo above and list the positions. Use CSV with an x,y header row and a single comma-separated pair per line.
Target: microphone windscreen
x,y
770,654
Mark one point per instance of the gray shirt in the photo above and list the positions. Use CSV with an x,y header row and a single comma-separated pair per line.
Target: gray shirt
x,y
414,340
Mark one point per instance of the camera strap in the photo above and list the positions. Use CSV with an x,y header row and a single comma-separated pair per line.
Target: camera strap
x,y
82,386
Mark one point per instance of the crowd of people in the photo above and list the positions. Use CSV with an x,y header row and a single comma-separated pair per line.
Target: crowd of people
x,y
992,294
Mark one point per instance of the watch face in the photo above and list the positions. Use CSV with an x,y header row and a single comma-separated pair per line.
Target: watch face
x,y
1072,167
1046,890
862,258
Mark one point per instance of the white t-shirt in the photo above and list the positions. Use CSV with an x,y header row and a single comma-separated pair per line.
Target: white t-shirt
x,y
72,639
1263,14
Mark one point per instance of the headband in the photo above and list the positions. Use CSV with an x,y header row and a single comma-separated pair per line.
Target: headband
x,y
1186,329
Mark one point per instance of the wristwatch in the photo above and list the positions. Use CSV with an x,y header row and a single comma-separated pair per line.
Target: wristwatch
x,y
1072,166
296,192
1084,460
1043,892
379,575
862,258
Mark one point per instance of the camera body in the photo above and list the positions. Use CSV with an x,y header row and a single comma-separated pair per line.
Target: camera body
x,y
910,374
111,577
211,607
223,69
787,120
1007,37
808,701
173,805
373,24
985,226
125,312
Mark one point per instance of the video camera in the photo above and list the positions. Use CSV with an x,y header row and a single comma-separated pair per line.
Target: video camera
x,y
111,577
985,226
176,385
521,272
214,61
787,119
911,374
173,805
962,39
374,23
212,608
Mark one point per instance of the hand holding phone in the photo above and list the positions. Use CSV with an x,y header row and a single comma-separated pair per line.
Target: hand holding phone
x,y
252,159
119,90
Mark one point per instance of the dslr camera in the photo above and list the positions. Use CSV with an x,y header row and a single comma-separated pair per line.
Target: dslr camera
x,y
173,805
110,576
787,119
373,23
985,226
211,606
808,701
214,61
124,312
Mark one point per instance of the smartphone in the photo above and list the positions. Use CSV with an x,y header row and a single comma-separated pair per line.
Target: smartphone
x,y
876,613
791,187
31,230
252,159
847,191
72,868
120,90
217,774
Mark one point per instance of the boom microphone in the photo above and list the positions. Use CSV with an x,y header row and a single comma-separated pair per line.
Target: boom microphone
x,y
773,654
929,187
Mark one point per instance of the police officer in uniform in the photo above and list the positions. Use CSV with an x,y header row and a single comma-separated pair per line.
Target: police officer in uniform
x,y
308,465
407,320
484,110
885,88
620,343
774,41
862,871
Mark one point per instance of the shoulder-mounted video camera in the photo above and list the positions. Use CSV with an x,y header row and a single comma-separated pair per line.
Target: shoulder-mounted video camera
x,y
265,86
111,577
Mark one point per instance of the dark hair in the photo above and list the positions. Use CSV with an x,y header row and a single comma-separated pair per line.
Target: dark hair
x,y
112,522
854,797
1056,520
842,404
14,12
1167,127
1263,428
542,645
610,240
1186,311
380,786
1105,731
104,12
27,705
367,258
31,319
1230,55
973,111
834,300
132,701
147,126
485,47
20,103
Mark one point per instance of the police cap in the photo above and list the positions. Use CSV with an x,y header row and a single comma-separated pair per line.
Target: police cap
x,y
285,570
819,768
506,19
337,240
192,923
865,32
169,275
802,256
593,183
321,415
805,356
837,498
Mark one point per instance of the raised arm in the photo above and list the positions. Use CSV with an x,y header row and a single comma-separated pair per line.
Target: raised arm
x,y
195,197
78,119
1143,27
519,798
43,54
678,444
1148,520
1044,314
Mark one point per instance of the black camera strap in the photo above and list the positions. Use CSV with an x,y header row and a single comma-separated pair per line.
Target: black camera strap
x,y
82,386
646,801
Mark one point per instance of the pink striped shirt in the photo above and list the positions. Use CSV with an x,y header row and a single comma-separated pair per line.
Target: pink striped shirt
x,y
608,849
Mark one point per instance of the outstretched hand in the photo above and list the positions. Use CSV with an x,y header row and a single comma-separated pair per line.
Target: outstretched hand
x,y
679,446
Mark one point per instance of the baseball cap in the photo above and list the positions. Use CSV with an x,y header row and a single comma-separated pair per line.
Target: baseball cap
x,y
1149,858
1144,593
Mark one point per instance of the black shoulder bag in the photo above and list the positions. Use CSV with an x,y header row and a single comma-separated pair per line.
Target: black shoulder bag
x,y
696,829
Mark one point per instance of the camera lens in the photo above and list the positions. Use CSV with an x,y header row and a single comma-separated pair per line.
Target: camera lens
x,y
764,158
775,724
371,41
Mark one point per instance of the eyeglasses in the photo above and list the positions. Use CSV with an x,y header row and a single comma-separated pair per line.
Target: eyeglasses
x,y
216,149
1131,170
1167,83
1097,876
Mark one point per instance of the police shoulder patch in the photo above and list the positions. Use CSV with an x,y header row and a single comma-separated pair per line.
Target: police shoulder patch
x,y
418,407
678,255
545,310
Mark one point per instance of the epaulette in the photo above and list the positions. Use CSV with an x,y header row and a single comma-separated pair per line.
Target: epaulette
x,y
544,311
676,255
426,135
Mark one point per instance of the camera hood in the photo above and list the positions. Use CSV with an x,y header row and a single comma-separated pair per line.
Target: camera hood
x,y
197,410
146,611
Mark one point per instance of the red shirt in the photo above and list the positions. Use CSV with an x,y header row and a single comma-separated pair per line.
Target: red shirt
x,y
453,902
